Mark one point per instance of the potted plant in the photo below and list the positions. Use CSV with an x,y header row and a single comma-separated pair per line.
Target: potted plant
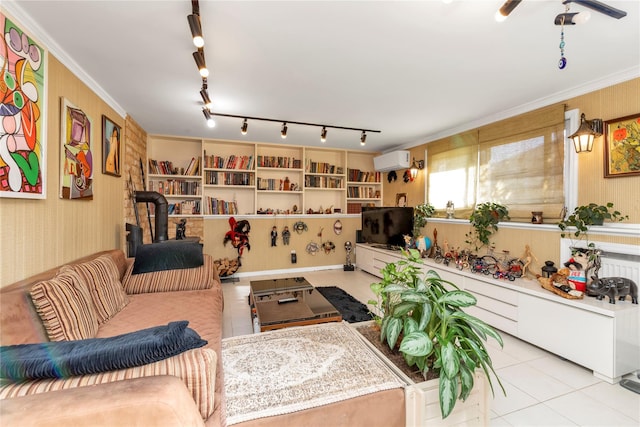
x,y
420,215
586,215
484,220
422,315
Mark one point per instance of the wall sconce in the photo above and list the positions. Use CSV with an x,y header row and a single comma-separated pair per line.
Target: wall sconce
x,y
586,133
415,167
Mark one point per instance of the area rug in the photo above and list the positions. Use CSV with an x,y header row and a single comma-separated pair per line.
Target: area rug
x,y
350,308
293,369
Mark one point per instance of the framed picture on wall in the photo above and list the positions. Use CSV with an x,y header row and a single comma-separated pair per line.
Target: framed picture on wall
x,y
622,147
401,200
76,156
111,134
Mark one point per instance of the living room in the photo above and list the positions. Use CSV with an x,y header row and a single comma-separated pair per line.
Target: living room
x,y
38,234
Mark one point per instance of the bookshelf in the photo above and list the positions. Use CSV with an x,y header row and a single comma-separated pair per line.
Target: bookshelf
x,y
217,177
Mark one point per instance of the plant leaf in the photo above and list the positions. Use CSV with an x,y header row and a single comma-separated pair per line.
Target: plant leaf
x,y
394,327
402,309
479,325
449,360
466,382
416,344
413,296
394,287
458,299
410,325
448,392
425,317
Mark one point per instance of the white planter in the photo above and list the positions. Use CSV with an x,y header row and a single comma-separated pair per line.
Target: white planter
x,y
422,401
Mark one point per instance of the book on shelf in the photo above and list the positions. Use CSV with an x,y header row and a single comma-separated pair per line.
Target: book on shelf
x,y
161,167
363,192
175,187
279,162
322,182
356,175
186,207
322,167
230,162
229,178
216,206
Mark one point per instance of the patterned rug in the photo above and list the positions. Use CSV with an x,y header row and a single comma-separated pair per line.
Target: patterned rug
x,y
297,368
350,308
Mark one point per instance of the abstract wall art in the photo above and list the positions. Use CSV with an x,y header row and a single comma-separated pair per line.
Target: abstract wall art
x,y
76,158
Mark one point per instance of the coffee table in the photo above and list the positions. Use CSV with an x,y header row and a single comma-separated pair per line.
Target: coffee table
x,y
292,301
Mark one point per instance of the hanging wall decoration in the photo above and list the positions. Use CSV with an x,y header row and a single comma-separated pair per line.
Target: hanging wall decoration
x,y
76,158
337,227
22,114
286,235
238,235
110,147
300,227
274,235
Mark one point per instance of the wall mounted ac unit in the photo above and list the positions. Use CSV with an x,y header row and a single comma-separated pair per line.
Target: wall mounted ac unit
x,y
392,161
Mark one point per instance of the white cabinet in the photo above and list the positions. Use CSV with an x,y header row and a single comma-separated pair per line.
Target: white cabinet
x,y
600,336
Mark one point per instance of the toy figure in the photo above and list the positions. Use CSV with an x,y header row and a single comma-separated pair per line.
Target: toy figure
x,y
274,235
286,234
238,235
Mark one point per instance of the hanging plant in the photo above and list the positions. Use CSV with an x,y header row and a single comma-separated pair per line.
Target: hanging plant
x,y
484,220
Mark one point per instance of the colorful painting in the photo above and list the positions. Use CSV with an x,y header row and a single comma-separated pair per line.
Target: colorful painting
x,y
22,114
622,147
110,147
76,159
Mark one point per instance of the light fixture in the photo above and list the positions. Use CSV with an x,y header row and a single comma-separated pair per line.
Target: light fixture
x,y
196,30
205,98
283,132
415,167
586,133
506,9
363,138
210,122
198,56
244,127
323,134
572,18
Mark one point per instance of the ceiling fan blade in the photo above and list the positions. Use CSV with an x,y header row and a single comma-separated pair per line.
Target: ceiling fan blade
x,y
600,7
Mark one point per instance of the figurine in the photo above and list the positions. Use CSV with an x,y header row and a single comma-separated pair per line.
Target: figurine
x,y
286,234
181,229
274,235
348,246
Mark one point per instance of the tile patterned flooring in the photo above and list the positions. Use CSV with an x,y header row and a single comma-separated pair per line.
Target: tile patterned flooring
x,y
542,389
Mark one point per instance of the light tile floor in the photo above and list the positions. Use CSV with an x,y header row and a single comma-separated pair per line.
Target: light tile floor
x,y
542,389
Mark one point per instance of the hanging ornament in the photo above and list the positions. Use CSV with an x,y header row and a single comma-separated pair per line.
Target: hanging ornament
x,y
563,61
286,234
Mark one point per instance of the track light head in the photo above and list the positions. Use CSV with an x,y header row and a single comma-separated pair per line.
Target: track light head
x,y
323,134
210,122
363,138
506,9
196,30
198,56
205,98
283,132
244,127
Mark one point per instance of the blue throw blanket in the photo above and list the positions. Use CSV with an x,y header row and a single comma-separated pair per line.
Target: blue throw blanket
x,y
62,359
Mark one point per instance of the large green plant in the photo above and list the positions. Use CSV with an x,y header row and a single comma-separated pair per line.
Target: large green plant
x,y
425,313
484,220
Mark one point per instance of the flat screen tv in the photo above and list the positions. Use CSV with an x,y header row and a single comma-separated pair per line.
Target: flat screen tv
x,y
386,226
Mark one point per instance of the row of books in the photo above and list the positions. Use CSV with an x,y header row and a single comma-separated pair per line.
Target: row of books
x,y
356,208
359,192
356,175
231,162
187,207
322,167
276,184
322,182
165,167
229,178
175,187
220,207
279,162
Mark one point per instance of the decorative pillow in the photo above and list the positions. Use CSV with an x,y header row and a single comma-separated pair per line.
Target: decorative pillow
x,y
189,279
65,307
170,255
70,358
103,280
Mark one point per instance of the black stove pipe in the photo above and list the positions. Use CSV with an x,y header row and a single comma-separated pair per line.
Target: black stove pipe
x,y
161,213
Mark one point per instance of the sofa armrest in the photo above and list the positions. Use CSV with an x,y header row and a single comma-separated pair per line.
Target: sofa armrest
x,y
196,369
187,279
158,401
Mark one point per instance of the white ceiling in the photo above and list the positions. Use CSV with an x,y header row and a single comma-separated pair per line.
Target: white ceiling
x,y
414,70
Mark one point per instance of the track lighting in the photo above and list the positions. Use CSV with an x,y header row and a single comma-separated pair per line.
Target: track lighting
x,y
283,132
196,30
210,122
363,138
323,134
244,127
198,56
506,9
205,98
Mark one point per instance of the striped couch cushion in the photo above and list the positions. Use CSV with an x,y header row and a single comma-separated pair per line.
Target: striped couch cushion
x,y
197,369
65,307
103,280
170,280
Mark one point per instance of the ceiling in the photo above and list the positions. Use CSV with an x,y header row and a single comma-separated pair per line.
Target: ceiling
x,y
415,70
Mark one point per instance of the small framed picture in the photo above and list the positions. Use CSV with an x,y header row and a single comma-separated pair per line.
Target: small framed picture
x,y
111,134
401,200
622,147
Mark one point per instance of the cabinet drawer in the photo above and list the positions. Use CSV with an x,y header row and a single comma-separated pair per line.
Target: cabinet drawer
x,y
502,323
496,292
499,307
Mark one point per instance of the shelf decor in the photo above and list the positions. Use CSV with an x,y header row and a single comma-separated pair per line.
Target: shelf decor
x,y
622,147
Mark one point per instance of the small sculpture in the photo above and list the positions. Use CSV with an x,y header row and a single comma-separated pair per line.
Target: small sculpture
x,y
348,246
274,235
300,227
614,287
312,248
328,247
181,229
286,234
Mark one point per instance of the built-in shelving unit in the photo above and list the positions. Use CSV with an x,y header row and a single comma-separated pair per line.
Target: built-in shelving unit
x,y
237,178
